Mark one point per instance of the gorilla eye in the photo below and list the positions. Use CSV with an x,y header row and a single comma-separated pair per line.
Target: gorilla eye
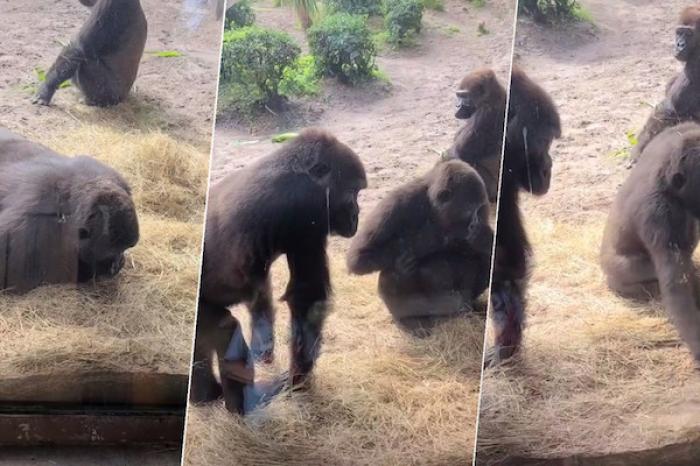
x,y
83,233
677,181
320,170
444,196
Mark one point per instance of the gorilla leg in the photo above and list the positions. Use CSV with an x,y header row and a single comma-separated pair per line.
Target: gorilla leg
x,y
216,328
439,287
263,317
508,317
632,277
99,84
63,69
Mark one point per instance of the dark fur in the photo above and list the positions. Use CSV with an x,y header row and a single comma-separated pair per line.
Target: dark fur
x,y
533,122
104,58
278,205
652,230
482,103
431,242
62,219
682,99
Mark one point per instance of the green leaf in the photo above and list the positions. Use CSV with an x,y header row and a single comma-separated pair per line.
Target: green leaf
x,y
284,137
166,53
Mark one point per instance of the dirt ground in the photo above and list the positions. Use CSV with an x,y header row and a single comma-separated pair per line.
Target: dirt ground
x,y
597,374
160,141
379,396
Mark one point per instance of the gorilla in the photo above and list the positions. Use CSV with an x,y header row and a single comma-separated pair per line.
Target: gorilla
x,y
104,58
482,104
682,99
431,243
62,219
287,203
652,230
533,123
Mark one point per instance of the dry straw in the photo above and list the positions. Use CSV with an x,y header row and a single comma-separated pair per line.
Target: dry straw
x,y
378,397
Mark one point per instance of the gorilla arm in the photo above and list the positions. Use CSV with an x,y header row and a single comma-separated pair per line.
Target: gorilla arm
x,y
379,243
307,295
679,289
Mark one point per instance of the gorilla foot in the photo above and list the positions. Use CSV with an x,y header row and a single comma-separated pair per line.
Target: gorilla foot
x,y
41,100
498,354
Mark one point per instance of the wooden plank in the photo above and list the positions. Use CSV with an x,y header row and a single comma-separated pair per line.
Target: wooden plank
x,y
680,454
42,425
97,388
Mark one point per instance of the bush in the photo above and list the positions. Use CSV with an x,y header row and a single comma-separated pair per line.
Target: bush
x,y
253,64
401,17
300,78
239,15
550,10
343,46
356,7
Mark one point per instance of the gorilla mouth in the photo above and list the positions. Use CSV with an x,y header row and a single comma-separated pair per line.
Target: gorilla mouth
x,y
106,268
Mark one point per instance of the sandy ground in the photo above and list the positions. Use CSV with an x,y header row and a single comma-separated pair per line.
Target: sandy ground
x,y
160,140
380,397
597,374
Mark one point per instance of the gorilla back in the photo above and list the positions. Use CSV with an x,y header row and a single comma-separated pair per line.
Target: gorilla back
x,y
103,59
62,219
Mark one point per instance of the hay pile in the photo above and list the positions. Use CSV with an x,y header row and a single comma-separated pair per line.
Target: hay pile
x,y
379,396
597,374
142,320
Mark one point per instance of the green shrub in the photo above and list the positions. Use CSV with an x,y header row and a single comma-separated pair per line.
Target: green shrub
x,y
300,78
343,46
550,10
253,64
239,15
355,7
436,5
401,18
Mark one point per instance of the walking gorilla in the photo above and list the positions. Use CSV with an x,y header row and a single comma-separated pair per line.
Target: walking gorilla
x,y
286,203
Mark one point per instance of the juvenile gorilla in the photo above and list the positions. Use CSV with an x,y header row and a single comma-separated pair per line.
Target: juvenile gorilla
x,y
103,59
62,219
286,203
533,123
652,230
482,103
682,99
431,242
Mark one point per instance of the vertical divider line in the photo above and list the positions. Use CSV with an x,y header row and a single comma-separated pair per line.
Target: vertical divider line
x,y
204,230
495,234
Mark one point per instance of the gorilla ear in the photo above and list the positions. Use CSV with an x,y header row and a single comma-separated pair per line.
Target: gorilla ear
x,y
83,233
677,181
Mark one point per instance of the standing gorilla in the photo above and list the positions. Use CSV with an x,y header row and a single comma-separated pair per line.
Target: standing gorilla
x,y
652,230
62,219
104,57
682,100
286,203
533,123
431,242
482,104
